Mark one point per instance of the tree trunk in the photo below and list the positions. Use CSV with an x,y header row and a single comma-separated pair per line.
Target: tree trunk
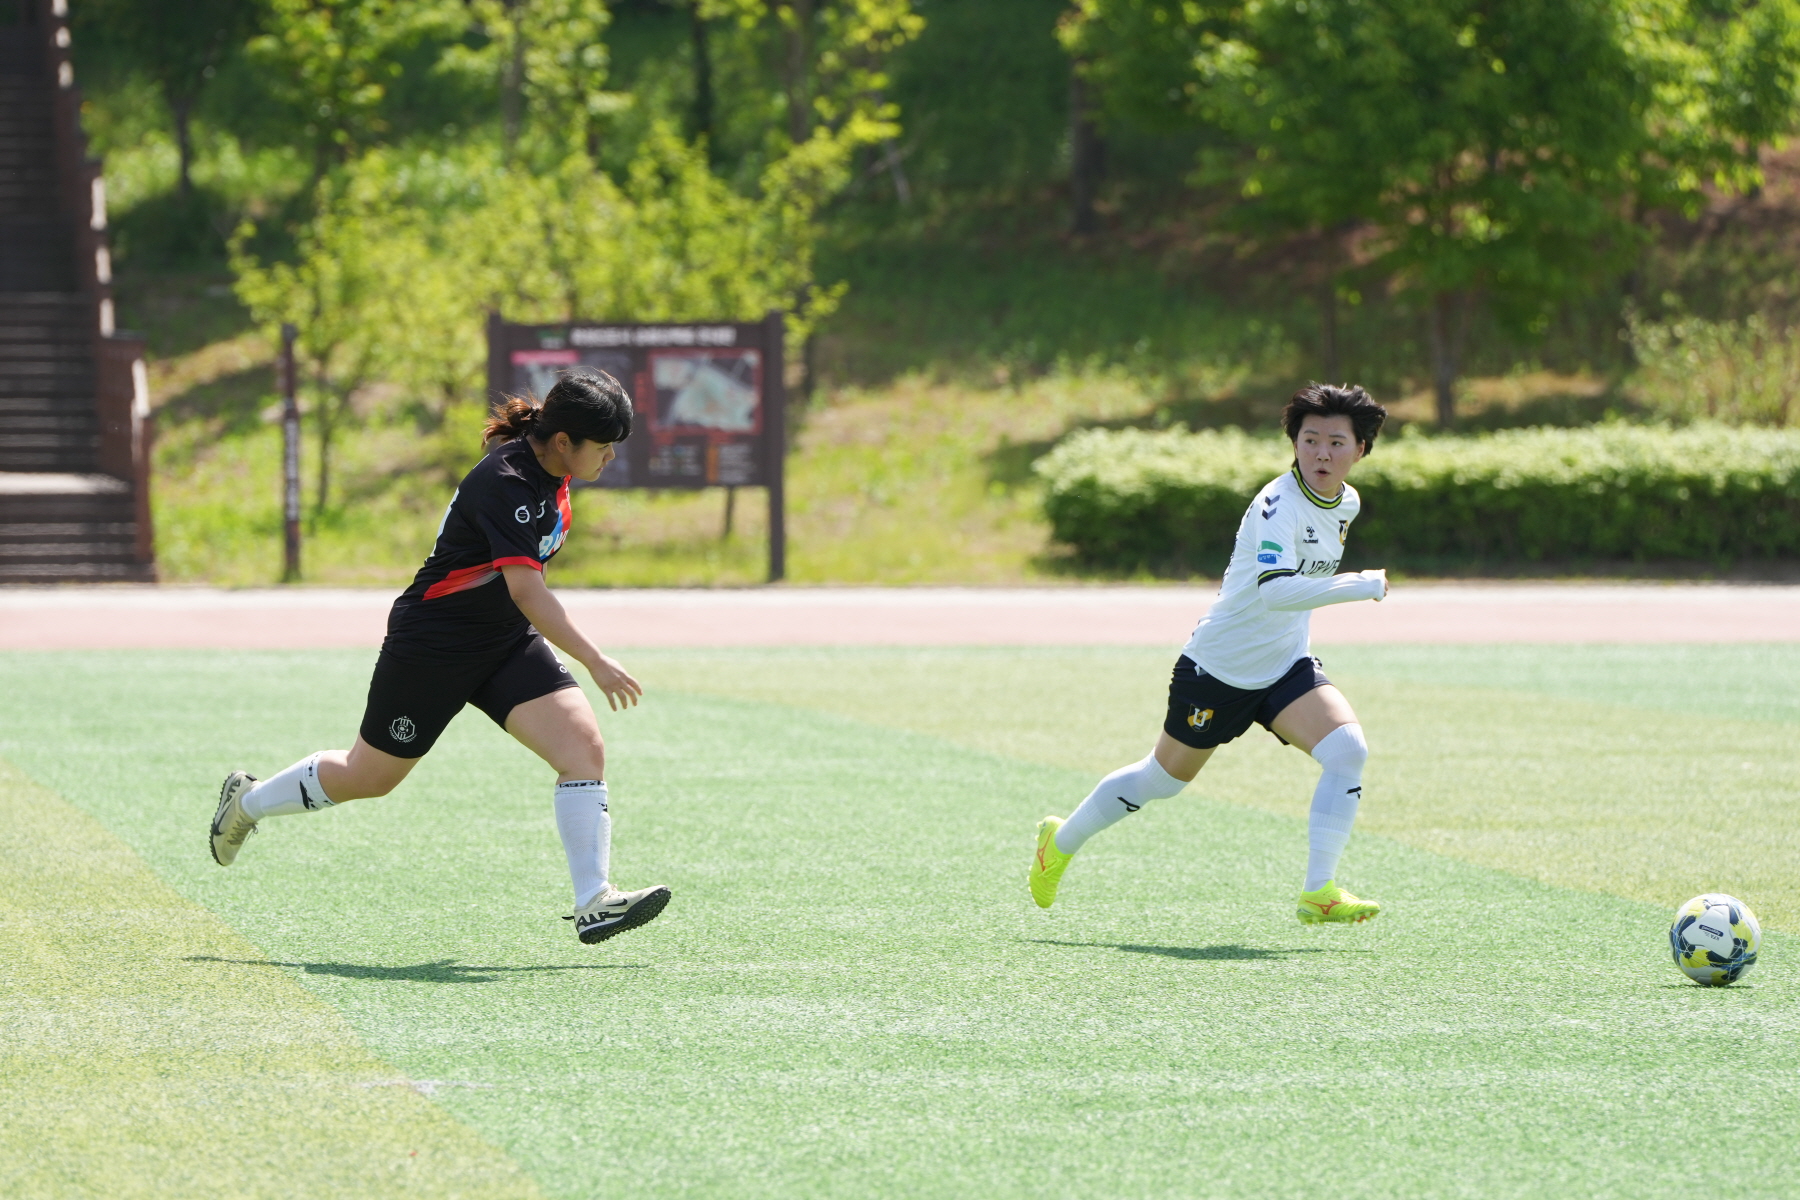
x,y
1449,326
730,511
1087,156
890,160
703,77
1333,251
1328,327
512,81
182,109
798,72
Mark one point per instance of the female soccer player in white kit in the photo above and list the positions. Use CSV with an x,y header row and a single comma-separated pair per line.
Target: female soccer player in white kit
x,y
1250,658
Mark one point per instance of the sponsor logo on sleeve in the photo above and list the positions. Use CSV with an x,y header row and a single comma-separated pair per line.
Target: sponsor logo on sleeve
x,y
522,514
1268,558
1268,552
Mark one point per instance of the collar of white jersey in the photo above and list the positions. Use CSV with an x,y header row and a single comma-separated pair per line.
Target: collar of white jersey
x,y
1317,499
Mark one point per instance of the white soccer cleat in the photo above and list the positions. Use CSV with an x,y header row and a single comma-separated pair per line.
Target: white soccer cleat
x,y
613,912
230,824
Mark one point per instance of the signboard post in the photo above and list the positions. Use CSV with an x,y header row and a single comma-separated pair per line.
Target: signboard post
x,y
708,394
290,459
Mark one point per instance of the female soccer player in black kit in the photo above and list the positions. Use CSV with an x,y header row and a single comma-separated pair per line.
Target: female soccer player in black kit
x,y
472,629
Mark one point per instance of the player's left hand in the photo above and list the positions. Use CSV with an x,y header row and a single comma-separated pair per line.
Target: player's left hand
x,y
620,689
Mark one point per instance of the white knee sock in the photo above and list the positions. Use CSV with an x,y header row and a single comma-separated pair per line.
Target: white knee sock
x,y
1342,752
586,829
1118,796
295,790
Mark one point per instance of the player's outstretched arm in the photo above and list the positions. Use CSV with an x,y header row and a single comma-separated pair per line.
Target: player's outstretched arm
x,y
1292,593
528,590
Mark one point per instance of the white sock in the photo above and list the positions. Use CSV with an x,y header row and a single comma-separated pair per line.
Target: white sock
x,y
1117,797
295,790
586,829
1342,752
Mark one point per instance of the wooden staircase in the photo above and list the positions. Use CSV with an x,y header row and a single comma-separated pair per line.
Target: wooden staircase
x,y
74,428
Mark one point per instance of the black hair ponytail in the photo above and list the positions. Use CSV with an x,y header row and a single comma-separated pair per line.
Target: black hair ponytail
x,y
588,405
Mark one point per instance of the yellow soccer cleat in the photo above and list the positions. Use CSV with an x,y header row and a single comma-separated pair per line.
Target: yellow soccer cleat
x,y
1332,905
1048,864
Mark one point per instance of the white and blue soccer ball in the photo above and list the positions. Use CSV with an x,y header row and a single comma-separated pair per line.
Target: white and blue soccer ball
x,y
1714,939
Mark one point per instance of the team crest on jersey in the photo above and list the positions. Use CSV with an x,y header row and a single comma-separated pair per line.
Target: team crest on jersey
x,y
1199,719
1343,532
403,730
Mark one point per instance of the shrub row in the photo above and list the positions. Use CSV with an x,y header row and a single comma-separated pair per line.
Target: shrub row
x,y
1132,499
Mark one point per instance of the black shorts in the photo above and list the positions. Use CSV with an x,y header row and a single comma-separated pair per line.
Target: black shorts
x,y
414,694
1205,712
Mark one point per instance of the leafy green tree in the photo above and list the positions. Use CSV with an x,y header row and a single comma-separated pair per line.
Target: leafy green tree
x,y
673,242
406,253
179,44
549,62
357,289
802,69
1497,153
334,62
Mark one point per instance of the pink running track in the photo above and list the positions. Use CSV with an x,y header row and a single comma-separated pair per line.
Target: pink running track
x,y
175,617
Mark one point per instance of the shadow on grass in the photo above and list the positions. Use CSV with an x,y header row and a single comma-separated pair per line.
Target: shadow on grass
x,y
1229,952
446,970
234,400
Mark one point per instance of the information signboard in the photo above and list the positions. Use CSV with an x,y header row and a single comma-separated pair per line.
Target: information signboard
x,y
708,397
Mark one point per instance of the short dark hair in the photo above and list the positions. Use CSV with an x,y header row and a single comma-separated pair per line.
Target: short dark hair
x,y
588,405
1332,400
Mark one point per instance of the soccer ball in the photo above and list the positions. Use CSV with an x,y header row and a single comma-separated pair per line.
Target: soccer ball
x,y
1714,939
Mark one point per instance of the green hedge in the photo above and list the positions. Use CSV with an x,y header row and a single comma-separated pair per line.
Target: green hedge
x,y
1133,499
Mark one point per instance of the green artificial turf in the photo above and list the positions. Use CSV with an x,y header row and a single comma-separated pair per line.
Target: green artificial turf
x,y
852,995
131,1058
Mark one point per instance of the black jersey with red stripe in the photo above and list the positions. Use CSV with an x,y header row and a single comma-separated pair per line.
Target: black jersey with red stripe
x,y
507,511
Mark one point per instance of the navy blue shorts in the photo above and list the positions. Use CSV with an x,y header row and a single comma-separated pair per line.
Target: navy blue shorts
x,y
1205,712
414,694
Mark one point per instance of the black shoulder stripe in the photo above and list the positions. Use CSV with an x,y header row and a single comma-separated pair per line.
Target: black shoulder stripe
x,y
1280,574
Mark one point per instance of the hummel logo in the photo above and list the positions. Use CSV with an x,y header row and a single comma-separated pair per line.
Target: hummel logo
x,y
1355,791
306,800
1129,806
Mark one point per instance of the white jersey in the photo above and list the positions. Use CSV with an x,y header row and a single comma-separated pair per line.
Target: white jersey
x,y
1284,565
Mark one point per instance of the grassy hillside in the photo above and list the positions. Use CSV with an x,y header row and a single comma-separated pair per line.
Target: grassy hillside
x,y
911,463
